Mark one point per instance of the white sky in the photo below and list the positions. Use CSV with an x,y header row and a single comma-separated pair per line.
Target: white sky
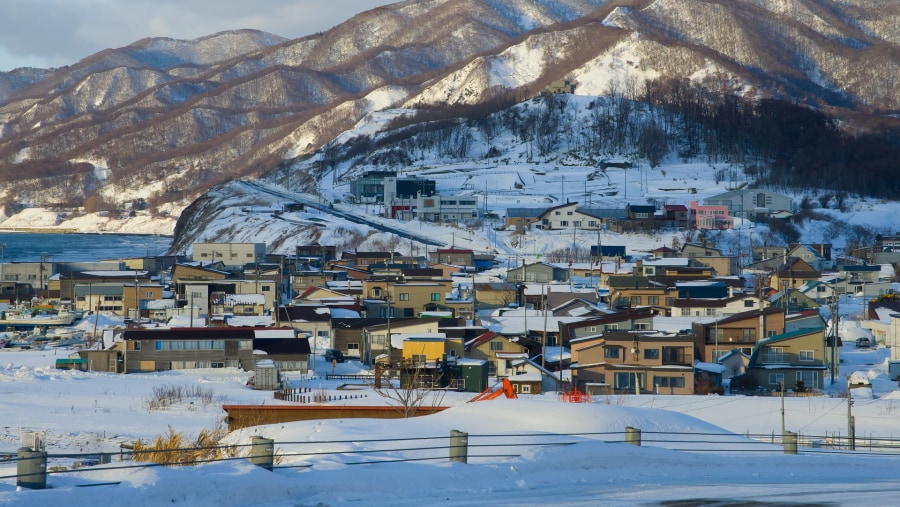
x,y
54,33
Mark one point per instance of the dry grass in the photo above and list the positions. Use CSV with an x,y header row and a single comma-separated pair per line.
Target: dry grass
x,y
174,449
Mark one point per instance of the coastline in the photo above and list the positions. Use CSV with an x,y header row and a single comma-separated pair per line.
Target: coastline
x,y
69,230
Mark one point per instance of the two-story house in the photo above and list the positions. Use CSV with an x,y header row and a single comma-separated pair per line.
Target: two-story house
x,y
397,298
793,360
497,350
637,362
717,336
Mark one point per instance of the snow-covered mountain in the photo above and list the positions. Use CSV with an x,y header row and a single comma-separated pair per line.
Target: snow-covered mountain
x,y
147,129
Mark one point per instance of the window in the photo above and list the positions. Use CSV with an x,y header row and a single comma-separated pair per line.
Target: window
x,y
404,296
419,358
641,325
673,355
749,303
266,288
773,355
563,223
809,378
652,300
670,301
669,381
612,327
651,354
685,312
526,389
807,355
496,345
776,379
749,335
376,291
435,296
611,352
635,300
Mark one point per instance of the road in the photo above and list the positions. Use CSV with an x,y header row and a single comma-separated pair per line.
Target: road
x,y
314,202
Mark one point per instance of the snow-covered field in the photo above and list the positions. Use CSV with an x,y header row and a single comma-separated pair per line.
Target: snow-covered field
x,y
96,412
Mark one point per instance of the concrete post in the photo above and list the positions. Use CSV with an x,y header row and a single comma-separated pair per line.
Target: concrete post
x,y
262,452
633,436
31,469
459,446
789,440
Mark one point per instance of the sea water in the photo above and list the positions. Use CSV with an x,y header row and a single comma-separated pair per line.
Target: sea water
x,y
31,247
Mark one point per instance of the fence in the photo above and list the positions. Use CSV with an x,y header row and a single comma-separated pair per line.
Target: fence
x,y
307,395
33,469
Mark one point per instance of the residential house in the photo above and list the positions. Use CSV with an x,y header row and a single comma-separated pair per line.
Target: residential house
x,y
793,301
637,218
811,256
384,296
657,296
674,216
735,363
795,360
438,208
288,354
121,298
717,336
497,350
574,331
427,348
62,285
201,293
490,295
529,377
538,272
374,341
710,217
229,254
764,252
147,350
311,320
565,216
793,273
711,307
363,259
634,362
304,279
751,203
453,255
318,255
237,304
521,218
804,319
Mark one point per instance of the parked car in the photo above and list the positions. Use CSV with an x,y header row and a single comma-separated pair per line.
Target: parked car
x,y
863,343
334,355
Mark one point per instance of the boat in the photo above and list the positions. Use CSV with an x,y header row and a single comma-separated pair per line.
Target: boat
x,y
24,315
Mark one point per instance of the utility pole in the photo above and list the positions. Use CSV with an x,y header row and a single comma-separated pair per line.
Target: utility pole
x,y
782,409
851,424
834,326
544,338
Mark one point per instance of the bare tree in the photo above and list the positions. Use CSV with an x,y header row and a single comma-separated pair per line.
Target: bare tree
x,y
410,394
